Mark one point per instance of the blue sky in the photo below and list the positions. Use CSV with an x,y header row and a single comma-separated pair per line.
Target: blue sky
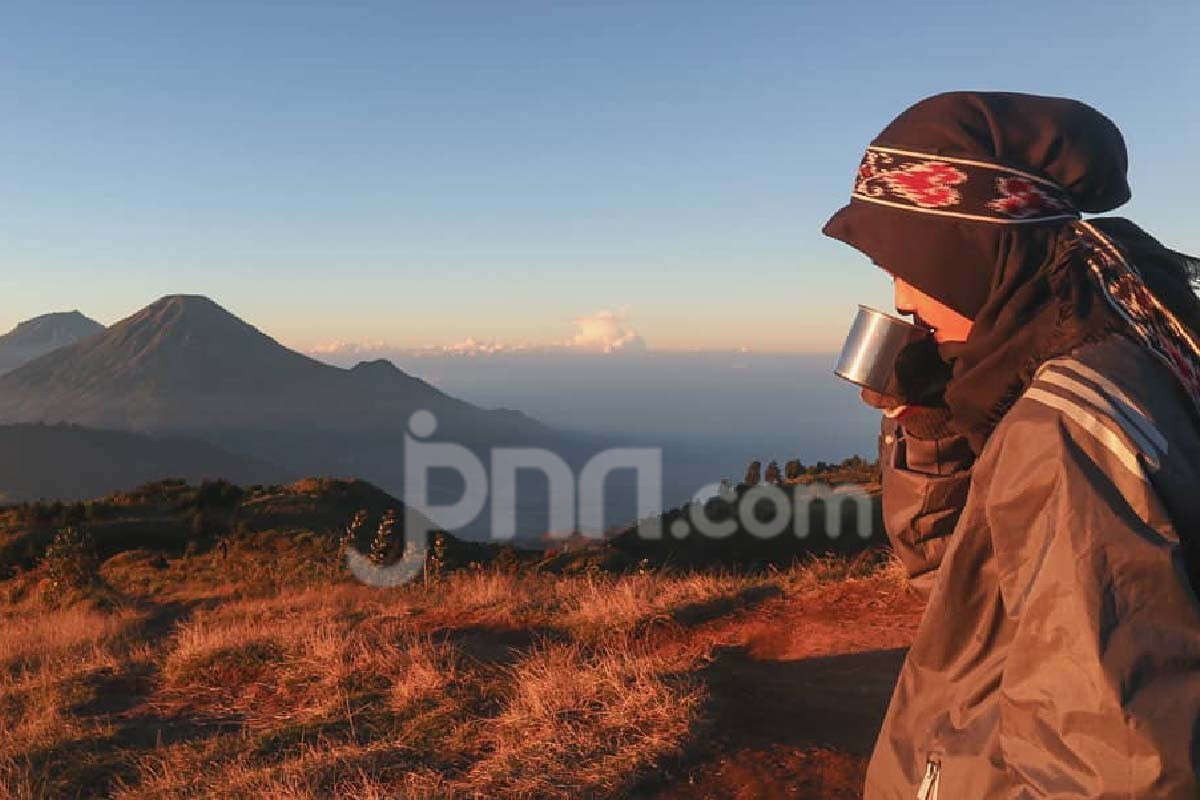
x,y
421,172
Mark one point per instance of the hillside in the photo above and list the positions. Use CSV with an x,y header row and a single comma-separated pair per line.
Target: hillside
x,y
824,524
253,667
172,516
69,462
40,335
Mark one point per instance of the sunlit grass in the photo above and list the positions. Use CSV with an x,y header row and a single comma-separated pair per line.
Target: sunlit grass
x,y
483,683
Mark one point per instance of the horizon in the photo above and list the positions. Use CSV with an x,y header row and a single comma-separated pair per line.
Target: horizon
x,y
607,337
631,393
708,413
535,174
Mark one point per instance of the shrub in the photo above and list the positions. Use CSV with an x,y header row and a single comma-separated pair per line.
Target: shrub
x,y
350,535
218,494
71,559
385,538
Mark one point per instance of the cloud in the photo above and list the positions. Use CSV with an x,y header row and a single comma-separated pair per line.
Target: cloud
x,y
473,347
348,353
605,331
338,348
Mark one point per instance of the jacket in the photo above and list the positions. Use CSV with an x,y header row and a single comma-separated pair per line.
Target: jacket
x,y
1059,652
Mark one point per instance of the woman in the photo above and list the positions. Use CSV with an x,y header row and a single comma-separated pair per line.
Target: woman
x,y
1042,477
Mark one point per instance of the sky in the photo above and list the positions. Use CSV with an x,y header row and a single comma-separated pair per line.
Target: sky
x,y
591,174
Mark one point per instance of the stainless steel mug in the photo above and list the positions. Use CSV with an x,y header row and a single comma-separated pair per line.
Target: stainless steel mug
x,y
869,355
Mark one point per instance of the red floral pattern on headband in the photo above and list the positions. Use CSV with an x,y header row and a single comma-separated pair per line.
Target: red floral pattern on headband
x,y
1020,198
957,187
929,185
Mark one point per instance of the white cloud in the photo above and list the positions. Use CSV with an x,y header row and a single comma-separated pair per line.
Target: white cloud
x,y
472,347
337,348
605,331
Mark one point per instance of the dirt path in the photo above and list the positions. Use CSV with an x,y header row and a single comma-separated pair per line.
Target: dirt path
x,y
797,697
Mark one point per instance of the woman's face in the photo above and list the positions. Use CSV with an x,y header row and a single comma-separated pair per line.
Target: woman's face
x,y
947,324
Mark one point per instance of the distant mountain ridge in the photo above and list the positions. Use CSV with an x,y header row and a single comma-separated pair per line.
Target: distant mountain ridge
x,y
67,462
40,335
184,363
185,367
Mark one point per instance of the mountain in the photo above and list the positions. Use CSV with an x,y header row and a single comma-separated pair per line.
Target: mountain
x,y
184,364
38,336
67,462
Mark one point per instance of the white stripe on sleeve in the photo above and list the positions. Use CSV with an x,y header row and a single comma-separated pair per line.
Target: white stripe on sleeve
x,y
1086,420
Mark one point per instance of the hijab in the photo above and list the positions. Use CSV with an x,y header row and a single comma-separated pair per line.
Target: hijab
x,y
976,199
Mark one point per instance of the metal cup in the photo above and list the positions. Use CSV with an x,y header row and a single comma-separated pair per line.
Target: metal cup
x,y
869,355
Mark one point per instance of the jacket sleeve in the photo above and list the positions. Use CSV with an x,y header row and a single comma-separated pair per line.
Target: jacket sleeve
x,y
1100,693
925,484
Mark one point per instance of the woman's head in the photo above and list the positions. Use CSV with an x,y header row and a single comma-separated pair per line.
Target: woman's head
x,y
972,202
957,183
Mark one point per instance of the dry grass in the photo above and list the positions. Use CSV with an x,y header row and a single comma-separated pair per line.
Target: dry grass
x,y
578,719
49,661
487,683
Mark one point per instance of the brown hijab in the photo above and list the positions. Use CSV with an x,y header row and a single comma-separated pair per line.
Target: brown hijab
x,y
975,199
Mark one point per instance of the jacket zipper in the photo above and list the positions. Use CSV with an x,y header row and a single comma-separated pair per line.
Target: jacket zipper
x,y
928,790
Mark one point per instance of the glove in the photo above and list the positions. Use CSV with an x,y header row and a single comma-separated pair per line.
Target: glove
x,y
921,376
920,422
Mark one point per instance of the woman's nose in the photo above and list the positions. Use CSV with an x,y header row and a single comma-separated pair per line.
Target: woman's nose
x,y
904,299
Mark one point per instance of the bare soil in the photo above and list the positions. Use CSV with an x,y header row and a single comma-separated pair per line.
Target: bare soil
x,y
797,696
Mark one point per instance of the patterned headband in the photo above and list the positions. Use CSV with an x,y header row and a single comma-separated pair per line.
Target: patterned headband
x,y
958,187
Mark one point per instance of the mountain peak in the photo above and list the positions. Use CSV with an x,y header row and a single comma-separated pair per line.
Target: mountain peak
x,y
185,301
40,335
67,325
188,315
184,304
179,346
184,363
378,365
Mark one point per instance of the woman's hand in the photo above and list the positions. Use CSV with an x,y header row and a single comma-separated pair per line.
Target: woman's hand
x,y
921,374
921,378
921,422
890,406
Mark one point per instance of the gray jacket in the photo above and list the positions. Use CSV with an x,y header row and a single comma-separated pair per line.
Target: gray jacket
x,y
1059,654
